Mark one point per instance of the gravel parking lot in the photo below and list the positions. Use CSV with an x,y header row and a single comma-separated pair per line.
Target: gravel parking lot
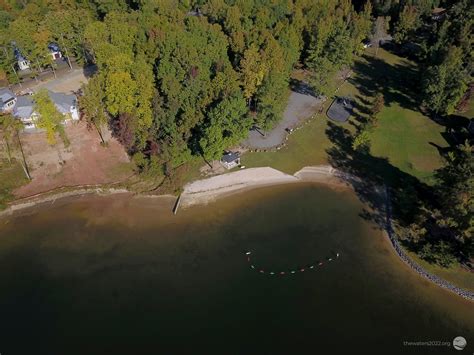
x,y
300,107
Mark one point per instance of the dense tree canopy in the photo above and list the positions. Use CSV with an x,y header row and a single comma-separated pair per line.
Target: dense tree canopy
x,y
175,83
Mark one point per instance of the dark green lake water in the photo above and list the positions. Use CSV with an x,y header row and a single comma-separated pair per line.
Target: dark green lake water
x,y
116,275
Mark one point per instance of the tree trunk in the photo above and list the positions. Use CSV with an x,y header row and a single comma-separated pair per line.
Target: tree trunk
x,y
39,66
66,52
100,133
8,150
69,62
16,74
23,162
208,163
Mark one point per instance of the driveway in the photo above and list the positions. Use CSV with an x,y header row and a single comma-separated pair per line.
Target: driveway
x,y
300,106
68,80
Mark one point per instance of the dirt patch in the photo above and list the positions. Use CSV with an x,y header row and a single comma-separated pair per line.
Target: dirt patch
x,y
84,162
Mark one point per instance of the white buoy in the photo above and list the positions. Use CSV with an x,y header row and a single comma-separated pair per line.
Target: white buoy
x,y
248,253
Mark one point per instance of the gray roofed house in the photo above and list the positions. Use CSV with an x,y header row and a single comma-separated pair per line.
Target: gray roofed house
x,y
24,107
24,110
7,100
230,160
65,104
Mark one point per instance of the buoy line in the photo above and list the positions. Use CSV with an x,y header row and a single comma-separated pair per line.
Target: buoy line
x,y
309,267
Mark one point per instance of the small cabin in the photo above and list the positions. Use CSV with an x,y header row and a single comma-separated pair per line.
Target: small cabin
x,y
230,160
22,62
55,51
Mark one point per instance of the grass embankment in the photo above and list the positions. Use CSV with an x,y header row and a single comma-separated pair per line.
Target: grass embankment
x,y
11,177
455,274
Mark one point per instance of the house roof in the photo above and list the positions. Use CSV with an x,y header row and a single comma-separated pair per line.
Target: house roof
x,y
24,107
230,157
19,57
62,101
5,96
53,47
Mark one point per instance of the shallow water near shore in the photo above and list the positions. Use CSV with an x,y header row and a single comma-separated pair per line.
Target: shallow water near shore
x,y
122,275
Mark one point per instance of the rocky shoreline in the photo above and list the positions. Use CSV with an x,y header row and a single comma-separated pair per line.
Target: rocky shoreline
x,y
466,294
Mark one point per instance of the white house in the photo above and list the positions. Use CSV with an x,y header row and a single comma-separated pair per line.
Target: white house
x,y
22,62
65,104
7,100
55,51
230,160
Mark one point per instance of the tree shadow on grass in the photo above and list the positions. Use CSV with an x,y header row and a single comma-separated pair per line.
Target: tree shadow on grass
x,y
397,82
407,192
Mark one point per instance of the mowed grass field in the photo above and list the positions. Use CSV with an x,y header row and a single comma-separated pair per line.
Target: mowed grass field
x,y
407,138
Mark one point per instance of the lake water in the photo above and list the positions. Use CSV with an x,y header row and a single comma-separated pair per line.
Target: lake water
x,y
121,275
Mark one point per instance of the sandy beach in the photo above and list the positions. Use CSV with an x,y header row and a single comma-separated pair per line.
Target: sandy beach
x,y
205,190
208,190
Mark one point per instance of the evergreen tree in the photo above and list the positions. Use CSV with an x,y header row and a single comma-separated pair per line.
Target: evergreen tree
x,y
445,83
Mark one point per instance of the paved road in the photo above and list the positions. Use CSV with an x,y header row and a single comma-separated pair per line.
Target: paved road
x,y
67,80
300,106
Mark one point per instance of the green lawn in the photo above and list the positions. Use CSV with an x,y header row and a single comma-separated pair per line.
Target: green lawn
x,y
306,146
404,137
11,177
403,133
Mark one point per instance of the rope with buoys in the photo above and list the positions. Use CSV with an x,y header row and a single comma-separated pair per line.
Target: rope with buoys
x,y
309,267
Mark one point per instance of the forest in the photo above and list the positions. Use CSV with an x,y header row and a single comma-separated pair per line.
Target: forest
x,y
175,83
183,79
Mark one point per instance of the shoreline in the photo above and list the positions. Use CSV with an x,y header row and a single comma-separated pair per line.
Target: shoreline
x,y
52,196
208,190
413,265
